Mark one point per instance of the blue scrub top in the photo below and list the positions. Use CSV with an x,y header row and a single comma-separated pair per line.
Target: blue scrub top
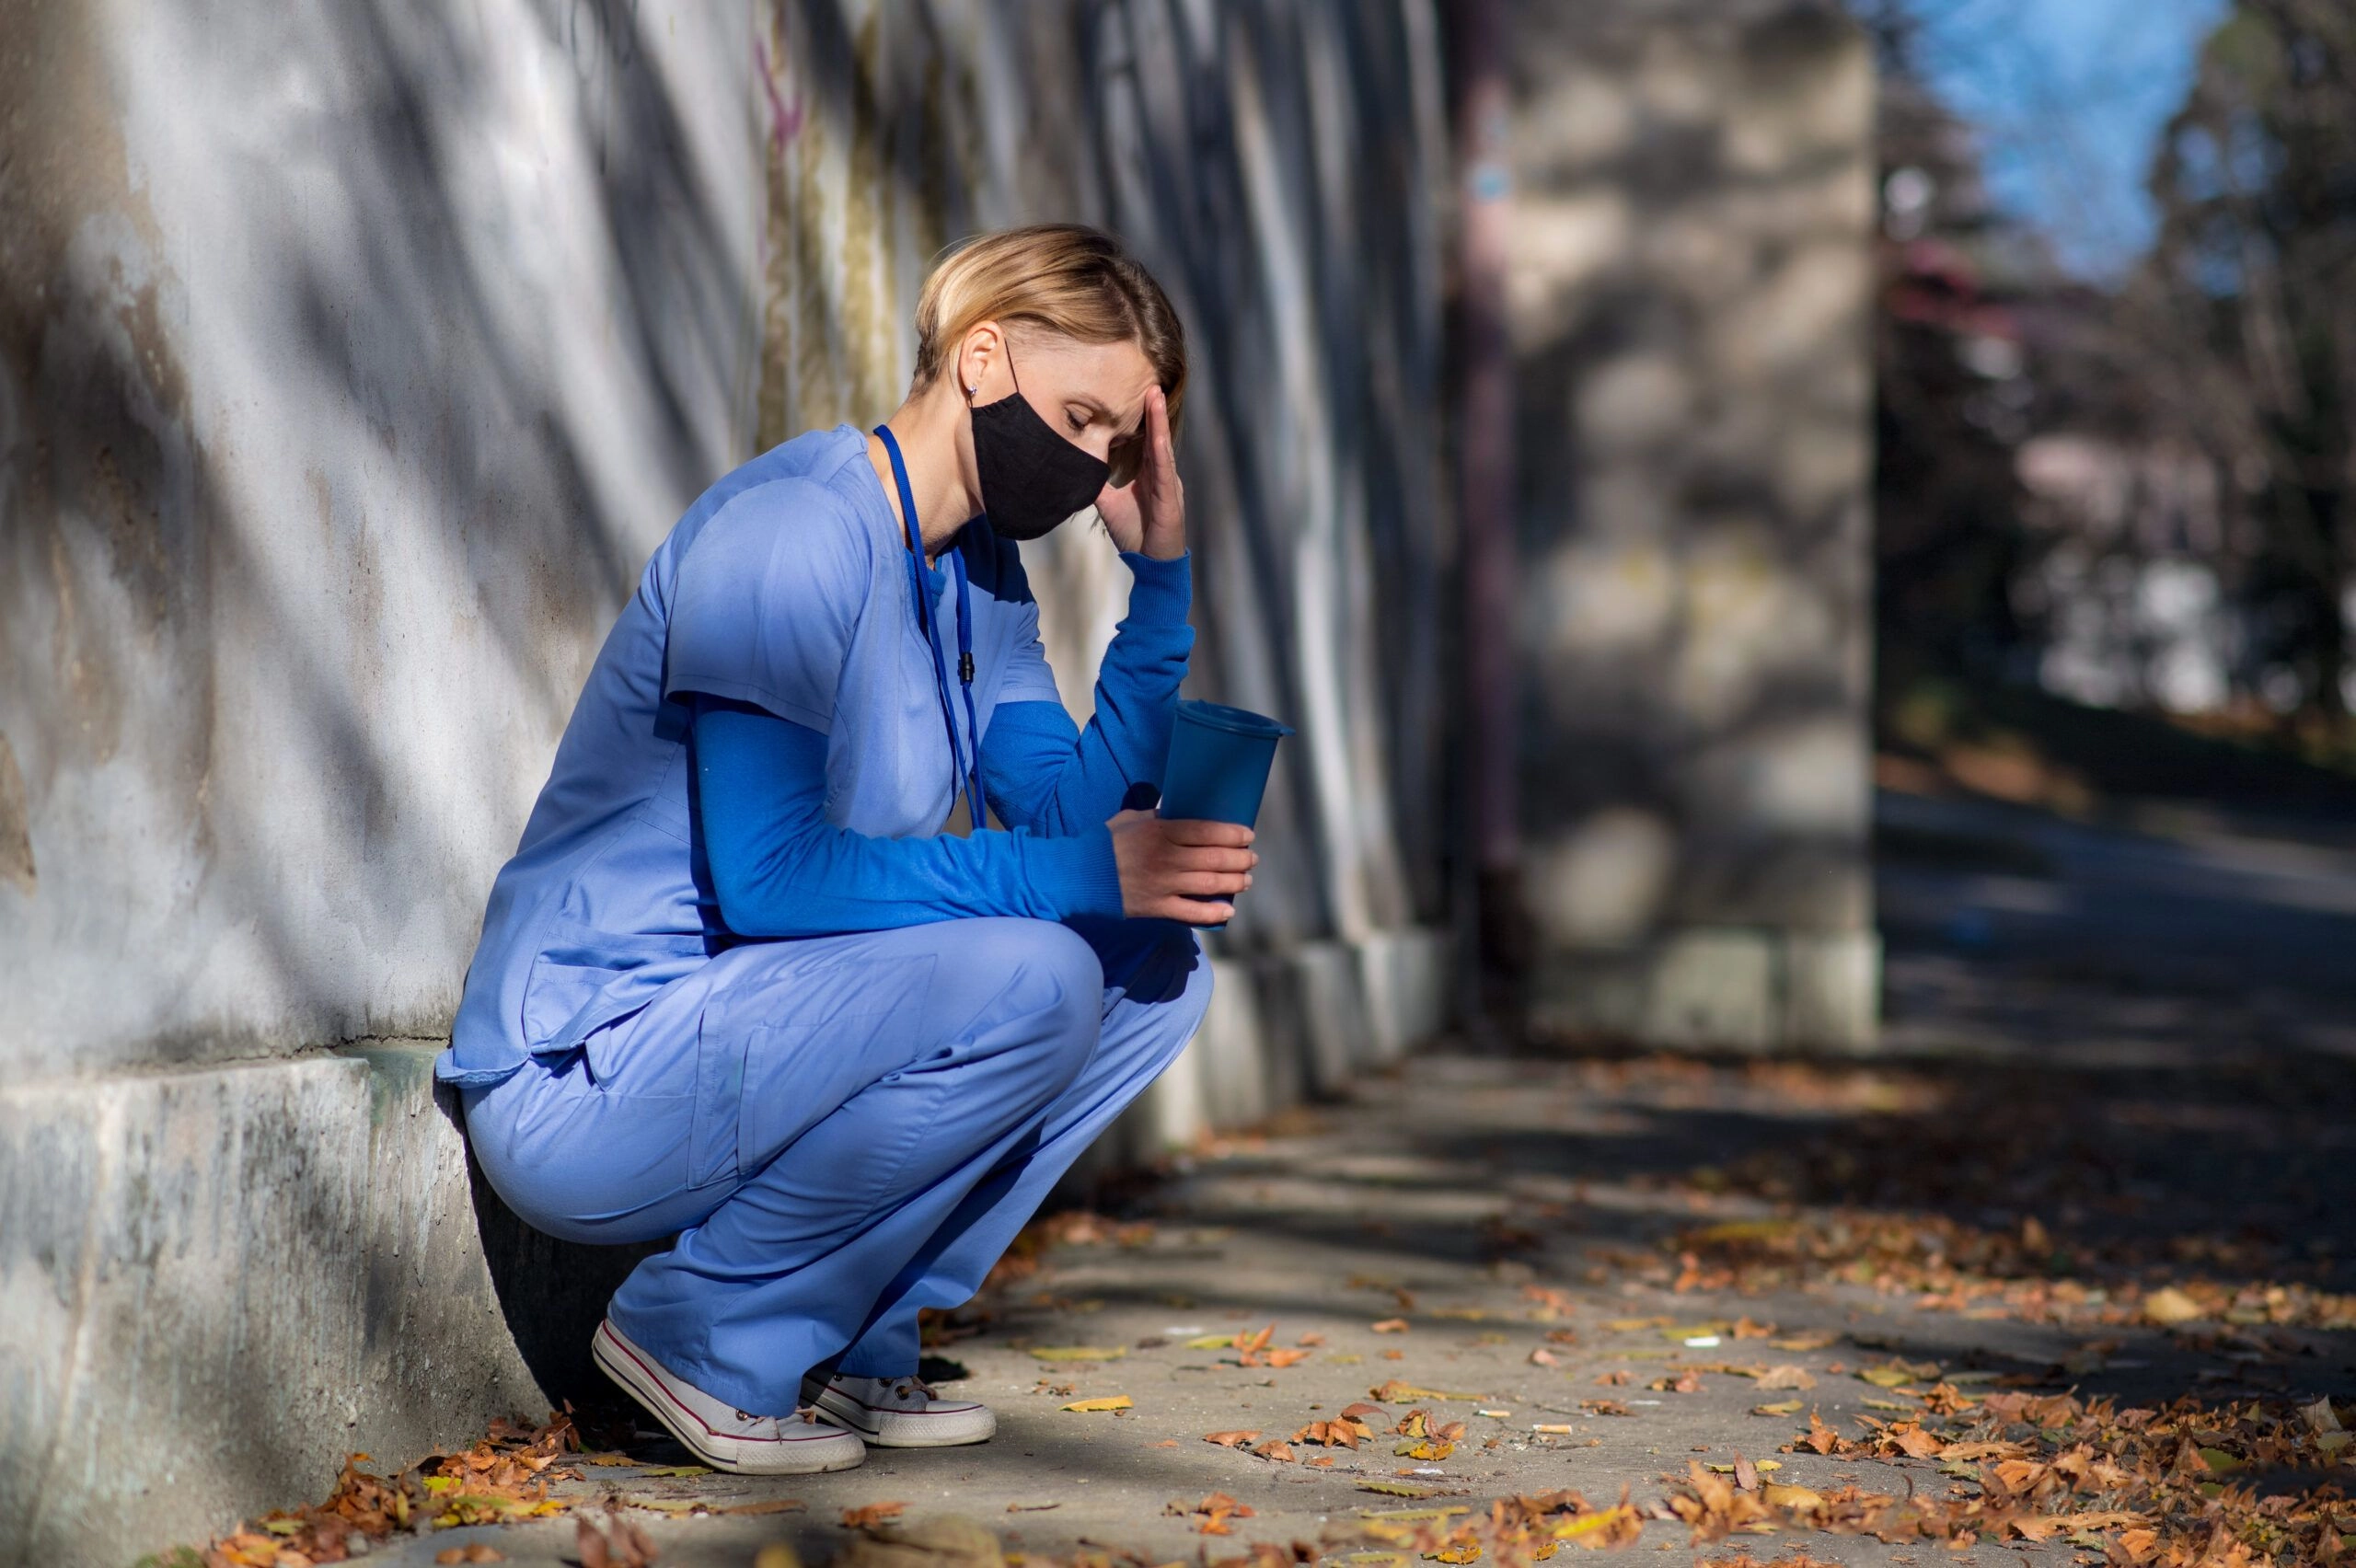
x,y
785,585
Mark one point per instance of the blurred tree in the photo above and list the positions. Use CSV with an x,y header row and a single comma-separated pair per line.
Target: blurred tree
x,y
1955,393
2248,307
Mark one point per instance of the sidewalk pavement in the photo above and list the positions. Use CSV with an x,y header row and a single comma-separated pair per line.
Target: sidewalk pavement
x,y
1647,1277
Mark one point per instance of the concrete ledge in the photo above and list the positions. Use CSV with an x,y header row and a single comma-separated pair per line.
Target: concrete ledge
x,y
1719,989
216,1284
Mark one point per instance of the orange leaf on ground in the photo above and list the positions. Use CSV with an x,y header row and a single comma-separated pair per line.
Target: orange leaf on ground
x,y
1210,1515
873,1513
1338,1434
1916,1443
1391,1326
1231,1440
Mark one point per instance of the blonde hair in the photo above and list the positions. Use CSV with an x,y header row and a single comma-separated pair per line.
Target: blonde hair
x,y
1067,279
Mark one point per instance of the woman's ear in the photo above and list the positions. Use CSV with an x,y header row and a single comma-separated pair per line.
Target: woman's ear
x,y
985,343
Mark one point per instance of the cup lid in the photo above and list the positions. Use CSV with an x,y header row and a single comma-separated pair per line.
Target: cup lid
x,y
1235,720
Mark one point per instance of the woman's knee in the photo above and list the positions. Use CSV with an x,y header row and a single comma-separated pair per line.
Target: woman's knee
x,y
1043,971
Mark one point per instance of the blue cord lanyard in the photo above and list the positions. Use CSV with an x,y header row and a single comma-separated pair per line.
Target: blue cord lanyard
x,y
971,775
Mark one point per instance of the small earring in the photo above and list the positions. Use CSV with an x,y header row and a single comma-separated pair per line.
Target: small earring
x,y
975,390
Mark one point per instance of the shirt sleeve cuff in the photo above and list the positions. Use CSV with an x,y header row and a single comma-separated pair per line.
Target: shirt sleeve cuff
x,y
1078,875
1162,589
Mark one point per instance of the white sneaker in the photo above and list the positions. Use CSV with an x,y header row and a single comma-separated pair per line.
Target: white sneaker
x,y
898,1413
717,1432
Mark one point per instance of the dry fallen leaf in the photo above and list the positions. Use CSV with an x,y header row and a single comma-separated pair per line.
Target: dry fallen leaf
x,y
1079,1351
1210,1515
1110,1401
1786,1376
1797,1498
873,1513
1231,1439
474,1551
2169,1307
1278,1451
1391,1326
1340,1433
621,1544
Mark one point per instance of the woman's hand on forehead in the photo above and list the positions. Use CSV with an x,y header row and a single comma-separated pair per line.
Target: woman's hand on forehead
x,y
1148,513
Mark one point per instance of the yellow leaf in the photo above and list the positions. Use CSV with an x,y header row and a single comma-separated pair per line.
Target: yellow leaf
x,y
1113,1401
1888,1375
1084,1352
1777,1496
1781,1407
1428,1449
1212,1342
2168,1306
1693,1331
1571,1529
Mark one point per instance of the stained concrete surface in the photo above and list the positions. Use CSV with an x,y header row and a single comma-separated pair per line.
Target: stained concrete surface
x,y
1320,1227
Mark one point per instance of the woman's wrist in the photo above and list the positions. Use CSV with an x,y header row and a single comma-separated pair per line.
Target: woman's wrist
x,y
1160,590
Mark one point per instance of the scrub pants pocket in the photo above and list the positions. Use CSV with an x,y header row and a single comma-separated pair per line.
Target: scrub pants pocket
x,y
713,1143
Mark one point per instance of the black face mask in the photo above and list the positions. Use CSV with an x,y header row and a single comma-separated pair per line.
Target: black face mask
x,y
1032,478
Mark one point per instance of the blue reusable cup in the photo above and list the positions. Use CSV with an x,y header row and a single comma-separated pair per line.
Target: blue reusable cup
x,y
1218,770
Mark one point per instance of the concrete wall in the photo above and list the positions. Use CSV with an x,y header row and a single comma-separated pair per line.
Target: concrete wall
x,y
1691,289
352,356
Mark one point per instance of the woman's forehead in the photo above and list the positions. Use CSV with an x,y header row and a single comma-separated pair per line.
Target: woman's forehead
x,y
1114,376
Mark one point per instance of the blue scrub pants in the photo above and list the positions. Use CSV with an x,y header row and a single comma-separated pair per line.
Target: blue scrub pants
x,y
841,1131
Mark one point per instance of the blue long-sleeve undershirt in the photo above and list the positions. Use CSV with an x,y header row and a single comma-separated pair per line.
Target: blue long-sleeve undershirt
x,y
779,869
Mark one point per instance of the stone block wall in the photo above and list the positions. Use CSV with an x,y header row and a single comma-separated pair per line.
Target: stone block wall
x,y
1690,296
352,357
